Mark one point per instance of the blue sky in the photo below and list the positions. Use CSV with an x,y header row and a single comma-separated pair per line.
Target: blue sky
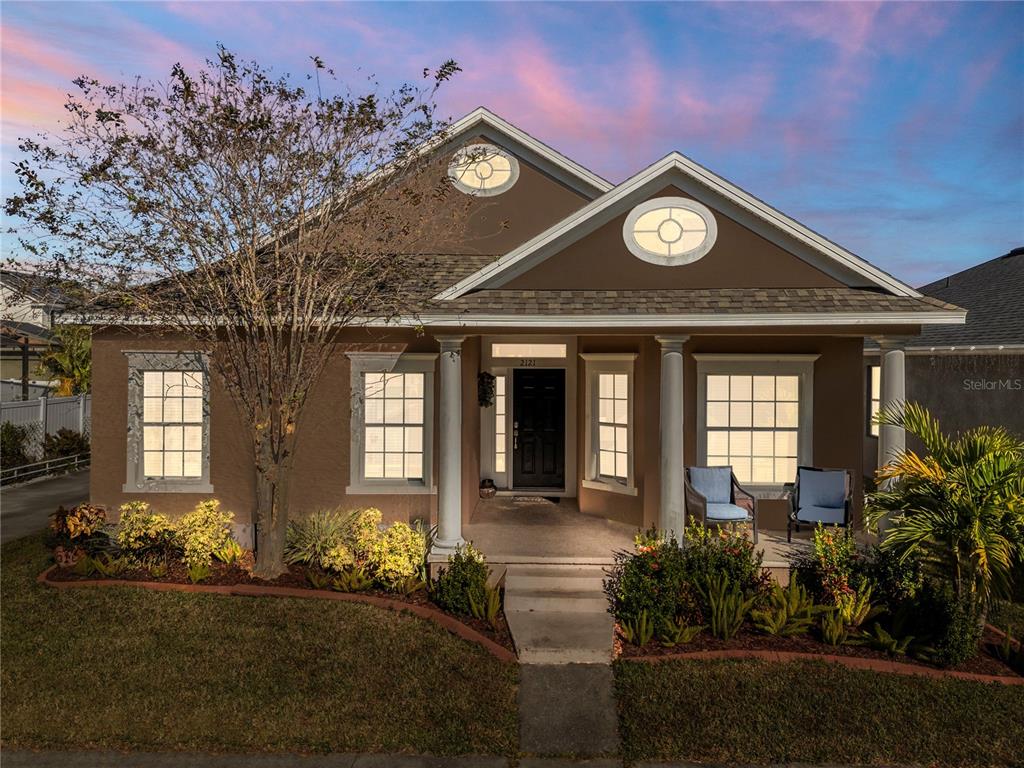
x,y
895,129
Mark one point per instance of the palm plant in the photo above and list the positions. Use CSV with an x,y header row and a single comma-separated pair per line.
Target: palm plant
x,y
70,359
960,505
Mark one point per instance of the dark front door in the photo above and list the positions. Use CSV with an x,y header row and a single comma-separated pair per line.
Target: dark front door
x,y
538,428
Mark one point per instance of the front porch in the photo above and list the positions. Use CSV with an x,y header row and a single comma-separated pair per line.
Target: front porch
x,y
586,437
524,530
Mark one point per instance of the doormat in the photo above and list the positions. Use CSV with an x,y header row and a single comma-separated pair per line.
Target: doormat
x,y
533,500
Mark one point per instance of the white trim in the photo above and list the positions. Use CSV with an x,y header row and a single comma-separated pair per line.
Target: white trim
x,y
729,357
388,362
511,320
656,203
601,485
507,367
753,320
579,178
778,365
600,211
967,349
595,365
467,150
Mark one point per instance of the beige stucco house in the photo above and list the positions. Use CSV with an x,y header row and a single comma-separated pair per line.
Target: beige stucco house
x,y
671,320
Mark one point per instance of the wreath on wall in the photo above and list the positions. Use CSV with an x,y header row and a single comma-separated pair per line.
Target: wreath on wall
x,y
485,389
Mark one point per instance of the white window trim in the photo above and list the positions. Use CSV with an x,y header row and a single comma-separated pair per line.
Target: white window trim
x,y
162,360
594,365
469,150
384,362
688,257
798,365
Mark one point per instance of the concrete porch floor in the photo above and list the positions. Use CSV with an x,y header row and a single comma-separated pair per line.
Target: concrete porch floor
x,y
524,530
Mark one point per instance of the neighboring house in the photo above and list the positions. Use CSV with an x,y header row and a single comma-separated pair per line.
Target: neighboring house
x,y
28,303
967,375
670,320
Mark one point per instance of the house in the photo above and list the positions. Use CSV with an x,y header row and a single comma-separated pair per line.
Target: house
x,y
966,375
28,303
673,319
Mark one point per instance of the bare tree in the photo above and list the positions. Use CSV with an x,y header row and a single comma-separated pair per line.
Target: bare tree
x,y
250,214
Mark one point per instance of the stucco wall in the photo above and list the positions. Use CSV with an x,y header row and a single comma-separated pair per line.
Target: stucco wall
x,y
740,258
962,391
322,451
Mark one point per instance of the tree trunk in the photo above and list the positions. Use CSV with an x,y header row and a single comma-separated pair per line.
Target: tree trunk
x,y
271,515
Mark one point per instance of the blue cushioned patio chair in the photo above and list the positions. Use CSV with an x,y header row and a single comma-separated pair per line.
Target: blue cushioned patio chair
x,y
715,497
819,496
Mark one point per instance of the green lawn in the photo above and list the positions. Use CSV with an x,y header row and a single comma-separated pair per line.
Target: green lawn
x,y
135,669
750,711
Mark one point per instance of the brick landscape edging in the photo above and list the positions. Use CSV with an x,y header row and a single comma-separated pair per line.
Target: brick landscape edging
x,y
440,618
854,662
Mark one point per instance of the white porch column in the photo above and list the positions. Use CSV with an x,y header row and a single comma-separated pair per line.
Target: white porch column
x,y
894,392
449,487
672,513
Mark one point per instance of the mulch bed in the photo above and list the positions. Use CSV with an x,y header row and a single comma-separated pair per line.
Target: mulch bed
x,y
222,575
748,640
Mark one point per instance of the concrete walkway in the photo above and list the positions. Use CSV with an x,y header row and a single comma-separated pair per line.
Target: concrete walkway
x,y
558,614
25,508
567,709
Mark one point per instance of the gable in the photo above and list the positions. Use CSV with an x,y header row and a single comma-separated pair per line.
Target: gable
x,y
740,258
534,203
696,183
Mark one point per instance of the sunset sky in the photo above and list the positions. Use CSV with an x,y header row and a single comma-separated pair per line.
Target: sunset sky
x,y
895,129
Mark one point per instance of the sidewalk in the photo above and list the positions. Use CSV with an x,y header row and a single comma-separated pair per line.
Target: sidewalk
x,y
24,509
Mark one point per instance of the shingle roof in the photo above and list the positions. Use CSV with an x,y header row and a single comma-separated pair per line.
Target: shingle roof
x,y
993,295
686,302
442,270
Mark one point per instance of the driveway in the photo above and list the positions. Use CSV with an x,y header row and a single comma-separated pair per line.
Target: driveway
x,y
24,509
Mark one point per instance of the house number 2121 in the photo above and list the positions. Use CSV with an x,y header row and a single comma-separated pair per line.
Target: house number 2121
x,y
527,362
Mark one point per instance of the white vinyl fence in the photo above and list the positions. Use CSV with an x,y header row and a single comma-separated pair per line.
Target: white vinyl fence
x,y
46,416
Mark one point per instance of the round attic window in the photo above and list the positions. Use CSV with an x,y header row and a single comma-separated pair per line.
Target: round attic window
x,y
670,231
483,170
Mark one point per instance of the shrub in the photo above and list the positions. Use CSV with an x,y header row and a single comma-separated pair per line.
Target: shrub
x,y
894,577
664,578
363,530
198,572
790,611
488,609
67,442
462,581
14,444
318,540
655,579
827,571
203,531
229,553
947,624
80,521
678,632
143,534
714,552
396,554
352,579
638,630
727,606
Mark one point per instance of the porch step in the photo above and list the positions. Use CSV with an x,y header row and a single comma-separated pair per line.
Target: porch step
x,y
554,579
548,637
558,602
558,614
